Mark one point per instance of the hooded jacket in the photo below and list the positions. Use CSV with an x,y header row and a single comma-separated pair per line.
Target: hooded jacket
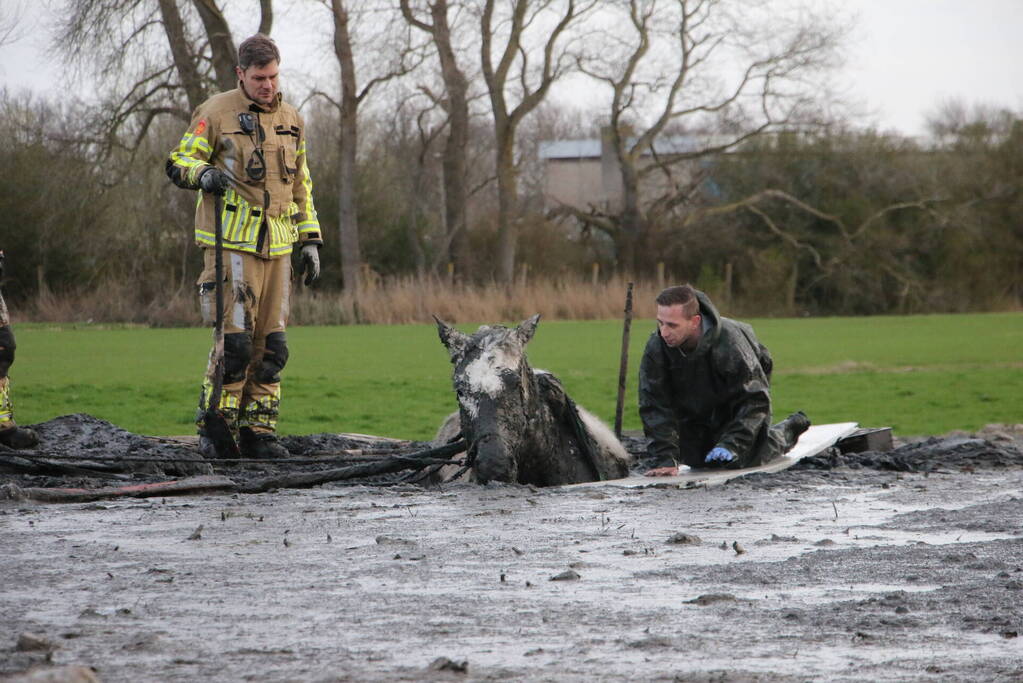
x,y
716,395
261,215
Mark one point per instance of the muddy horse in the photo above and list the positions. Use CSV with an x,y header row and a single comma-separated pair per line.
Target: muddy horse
x,y
519,423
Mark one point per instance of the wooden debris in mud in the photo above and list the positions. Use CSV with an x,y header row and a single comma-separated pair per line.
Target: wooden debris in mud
x,y
446,664
212,483
682,538
396,463
198,484
34,642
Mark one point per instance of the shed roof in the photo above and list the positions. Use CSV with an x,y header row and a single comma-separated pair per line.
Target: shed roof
x,y
569,149
590,148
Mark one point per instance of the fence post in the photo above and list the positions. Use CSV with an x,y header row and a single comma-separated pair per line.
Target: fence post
x,y
728,285
623,366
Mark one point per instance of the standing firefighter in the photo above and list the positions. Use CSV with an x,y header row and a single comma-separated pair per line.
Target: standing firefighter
x,y
11,435
248,146
704,390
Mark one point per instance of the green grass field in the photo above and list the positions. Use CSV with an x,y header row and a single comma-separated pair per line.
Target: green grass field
x,y
918,374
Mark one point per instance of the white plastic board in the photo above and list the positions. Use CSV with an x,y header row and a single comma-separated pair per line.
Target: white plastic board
x,y
811,442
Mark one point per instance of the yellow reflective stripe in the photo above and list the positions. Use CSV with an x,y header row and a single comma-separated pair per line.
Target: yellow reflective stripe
x,y
239,225
191,155
233,223
307,209
190,144
229,219
247,247
282,231
263,411
6,404
248,225
276,232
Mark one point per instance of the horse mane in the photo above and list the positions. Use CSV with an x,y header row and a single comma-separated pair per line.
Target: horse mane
x,y
567,413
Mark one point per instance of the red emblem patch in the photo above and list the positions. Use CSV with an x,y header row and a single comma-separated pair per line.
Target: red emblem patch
x,y
200,127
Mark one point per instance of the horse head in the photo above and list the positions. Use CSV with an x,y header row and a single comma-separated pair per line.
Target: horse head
x,y
496,393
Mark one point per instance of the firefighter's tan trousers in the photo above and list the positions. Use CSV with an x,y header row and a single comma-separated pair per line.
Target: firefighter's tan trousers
x,y
7,347
257,293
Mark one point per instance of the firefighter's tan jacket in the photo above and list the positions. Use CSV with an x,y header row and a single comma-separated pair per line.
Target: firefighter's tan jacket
x,y
261,216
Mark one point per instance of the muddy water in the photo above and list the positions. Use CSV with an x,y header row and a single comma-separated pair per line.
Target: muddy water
x,y
844,574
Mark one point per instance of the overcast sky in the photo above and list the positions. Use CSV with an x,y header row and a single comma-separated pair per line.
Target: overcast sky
x,y
906,56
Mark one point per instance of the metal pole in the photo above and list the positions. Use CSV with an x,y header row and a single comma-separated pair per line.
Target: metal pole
x,y
624,365
214,423
218,326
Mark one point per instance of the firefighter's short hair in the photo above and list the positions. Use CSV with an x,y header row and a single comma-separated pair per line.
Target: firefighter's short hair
x,y
258,50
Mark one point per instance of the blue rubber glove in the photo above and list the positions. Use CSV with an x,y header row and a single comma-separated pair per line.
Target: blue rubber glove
x,y
719,454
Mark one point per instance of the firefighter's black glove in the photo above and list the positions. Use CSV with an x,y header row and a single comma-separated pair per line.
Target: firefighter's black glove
x,y
310,263
214,181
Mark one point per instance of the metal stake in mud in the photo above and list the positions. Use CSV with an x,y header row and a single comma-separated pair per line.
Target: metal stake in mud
x,y
624,365
214,422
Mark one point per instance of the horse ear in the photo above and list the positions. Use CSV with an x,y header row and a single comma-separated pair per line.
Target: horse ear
x,y
527,328
453,340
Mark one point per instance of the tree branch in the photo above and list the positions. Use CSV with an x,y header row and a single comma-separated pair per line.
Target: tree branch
x,y
786,237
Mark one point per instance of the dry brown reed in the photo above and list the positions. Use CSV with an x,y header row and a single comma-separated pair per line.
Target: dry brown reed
x,y
385,301
114,302
416,300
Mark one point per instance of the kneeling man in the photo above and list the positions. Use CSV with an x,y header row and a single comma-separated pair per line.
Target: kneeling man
x,y
704,390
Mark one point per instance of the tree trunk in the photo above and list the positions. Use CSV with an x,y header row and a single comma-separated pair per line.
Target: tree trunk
x,y
633,224
184,62
507,205
456,146
347,211
266,16
790,289
225,58
455,247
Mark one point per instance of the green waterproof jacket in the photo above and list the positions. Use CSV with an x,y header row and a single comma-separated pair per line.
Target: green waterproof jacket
x,y
716,395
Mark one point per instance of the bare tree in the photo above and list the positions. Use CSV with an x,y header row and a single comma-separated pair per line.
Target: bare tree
x,y
11,17
221,44
719,71
455,103
403,59
153,57
189,76
507,38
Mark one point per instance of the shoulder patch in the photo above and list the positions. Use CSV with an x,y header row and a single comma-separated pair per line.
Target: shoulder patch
x,y
200,127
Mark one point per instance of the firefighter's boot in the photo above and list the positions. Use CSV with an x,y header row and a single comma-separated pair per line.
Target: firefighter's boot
x,y
261,445
18,437
11,435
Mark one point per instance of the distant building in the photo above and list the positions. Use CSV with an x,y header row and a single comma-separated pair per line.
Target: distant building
x,y
585,174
